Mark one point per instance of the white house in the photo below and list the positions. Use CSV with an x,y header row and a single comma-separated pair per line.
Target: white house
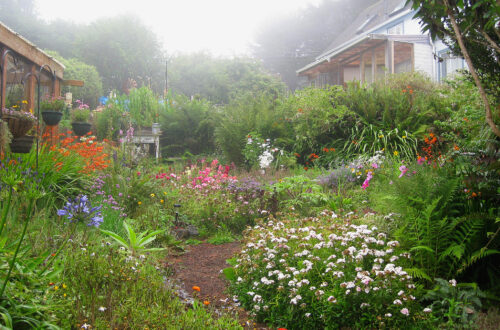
x,y
384,38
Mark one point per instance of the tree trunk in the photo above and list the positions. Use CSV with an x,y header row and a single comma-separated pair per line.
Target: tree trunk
x,y
465,53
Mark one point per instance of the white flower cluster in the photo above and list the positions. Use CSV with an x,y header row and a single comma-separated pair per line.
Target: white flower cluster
x,y
292,259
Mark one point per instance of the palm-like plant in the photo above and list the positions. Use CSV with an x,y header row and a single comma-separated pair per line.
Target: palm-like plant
x,y
135,243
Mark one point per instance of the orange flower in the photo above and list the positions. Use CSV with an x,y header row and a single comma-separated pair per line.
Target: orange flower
x,y
300,110
456,147
306,168
474,194
196,288
326,149
296,155
206,302
332,149
404,90
411,91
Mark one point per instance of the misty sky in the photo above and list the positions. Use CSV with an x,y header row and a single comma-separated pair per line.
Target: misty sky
x,y
223,27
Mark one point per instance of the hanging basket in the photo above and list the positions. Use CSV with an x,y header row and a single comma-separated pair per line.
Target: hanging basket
x,y
22,145
17,126
80,129
51,118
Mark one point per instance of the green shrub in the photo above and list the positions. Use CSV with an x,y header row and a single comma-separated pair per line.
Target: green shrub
x,y
143,106
110,121
250,113
187,126
407,101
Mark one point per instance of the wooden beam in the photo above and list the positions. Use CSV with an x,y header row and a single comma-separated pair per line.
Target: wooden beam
x,y
29,51
77,83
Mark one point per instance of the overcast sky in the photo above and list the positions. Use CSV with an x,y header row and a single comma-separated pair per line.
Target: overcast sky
x,y
223,27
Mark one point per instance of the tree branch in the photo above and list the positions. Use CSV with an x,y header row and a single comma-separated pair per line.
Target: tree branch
x,y
490,41
465,53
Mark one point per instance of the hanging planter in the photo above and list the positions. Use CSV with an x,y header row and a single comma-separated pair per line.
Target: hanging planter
x,y
80,129
52,110
19,122
51,118
22,145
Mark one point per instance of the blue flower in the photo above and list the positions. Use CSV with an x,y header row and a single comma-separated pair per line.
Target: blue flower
x,y
81,210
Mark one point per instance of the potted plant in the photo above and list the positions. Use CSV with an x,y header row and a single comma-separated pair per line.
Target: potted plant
x,y
20,123
79,119
52,110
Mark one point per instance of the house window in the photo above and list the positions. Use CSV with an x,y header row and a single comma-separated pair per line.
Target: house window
x,y
396,29
449,64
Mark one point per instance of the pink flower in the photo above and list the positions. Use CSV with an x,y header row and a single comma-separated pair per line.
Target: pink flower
x,y
375,165
403,170
405,311
420,160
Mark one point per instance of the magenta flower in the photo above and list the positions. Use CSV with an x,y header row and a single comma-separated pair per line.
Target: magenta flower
x,y
403,170
420,160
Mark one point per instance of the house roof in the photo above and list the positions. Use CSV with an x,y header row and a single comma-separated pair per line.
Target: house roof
x,y
373,17
27,49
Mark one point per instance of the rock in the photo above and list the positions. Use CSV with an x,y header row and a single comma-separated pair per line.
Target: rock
x,y
193,231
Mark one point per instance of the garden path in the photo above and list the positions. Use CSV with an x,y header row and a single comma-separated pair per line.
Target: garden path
x,y
201,266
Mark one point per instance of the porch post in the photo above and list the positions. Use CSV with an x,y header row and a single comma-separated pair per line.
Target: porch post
x,y
412,56
389,56
362,68
374,65
31,90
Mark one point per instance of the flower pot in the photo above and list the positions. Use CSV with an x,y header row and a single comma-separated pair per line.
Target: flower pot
x,y
80,129
18,126
51,118
22,145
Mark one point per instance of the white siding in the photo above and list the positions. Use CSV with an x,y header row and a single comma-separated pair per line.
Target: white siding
x,y
351,73
412,26
424,61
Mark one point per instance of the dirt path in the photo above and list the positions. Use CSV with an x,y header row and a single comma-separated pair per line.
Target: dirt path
x,y
201,266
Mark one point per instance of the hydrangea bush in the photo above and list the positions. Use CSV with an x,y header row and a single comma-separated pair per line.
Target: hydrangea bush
x,y
325,272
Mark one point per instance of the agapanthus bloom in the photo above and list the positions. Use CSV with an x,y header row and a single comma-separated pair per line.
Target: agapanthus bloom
x,y
81,210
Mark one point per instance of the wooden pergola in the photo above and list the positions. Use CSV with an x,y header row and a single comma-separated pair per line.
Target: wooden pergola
x,y
19,57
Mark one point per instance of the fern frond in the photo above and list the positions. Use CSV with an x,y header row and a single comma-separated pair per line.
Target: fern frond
x,y
418,273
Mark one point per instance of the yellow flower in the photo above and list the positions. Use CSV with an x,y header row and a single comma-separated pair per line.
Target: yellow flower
x,y
24,102
161,201
64,295
404,136
165,193
139,202
152,195
396,153
64,286
381,136
56,288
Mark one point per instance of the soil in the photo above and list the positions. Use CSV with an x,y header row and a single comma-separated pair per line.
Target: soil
x,y
201,265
